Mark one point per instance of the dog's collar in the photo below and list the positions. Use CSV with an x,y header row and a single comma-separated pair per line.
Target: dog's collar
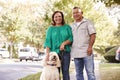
x,y
51,64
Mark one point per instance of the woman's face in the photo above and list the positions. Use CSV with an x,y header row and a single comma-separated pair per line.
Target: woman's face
x,y
58,19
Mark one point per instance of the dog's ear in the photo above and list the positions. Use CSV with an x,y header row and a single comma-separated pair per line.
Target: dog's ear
x,y
44,62
58,63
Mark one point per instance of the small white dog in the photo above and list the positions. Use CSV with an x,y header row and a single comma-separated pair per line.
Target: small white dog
x,y
50,70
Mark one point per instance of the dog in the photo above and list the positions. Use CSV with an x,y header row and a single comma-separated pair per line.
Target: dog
x,y
50,67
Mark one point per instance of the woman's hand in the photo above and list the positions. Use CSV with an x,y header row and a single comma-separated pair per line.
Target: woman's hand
x,y
62,47
47,57
47,53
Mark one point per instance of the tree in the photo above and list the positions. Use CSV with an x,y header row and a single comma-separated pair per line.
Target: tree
x,y
28,21
12,23
117,33
96,12
110,2
21,22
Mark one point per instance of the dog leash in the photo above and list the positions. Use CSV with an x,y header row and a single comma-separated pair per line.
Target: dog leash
x,y
61,55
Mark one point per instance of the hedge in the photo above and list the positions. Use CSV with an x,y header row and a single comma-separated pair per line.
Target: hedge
x,y
110,55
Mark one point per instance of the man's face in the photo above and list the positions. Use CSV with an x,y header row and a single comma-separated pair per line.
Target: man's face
x,y
77,14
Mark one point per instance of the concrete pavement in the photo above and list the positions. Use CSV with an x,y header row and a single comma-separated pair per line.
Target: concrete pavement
x,y
14,70
72,68
6,61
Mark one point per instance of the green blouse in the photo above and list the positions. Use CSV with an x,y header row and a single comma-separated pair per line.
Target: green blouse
x,y
56,35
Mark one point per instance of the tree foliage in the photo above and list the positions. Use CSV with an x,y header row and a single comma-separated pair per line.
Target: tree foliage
x,y
97,12
110,2
28,21
117,32
21,22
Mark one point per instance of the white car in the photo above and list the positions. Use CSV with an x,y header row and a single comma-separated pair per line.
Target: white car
x,y
4,53
27,53
41,55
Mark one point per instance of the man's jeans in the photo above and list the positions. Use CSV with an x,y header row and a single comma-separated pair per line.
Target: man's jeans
x,y
88,62
65,63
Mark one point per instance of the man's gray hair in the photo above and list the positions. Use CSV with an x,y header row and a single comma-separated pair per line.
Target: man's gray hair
x,y
78,8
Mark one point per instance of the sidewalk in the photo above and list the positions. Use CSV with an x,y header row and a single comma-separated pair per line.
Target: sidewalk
x,y
72,68
7,60
72,75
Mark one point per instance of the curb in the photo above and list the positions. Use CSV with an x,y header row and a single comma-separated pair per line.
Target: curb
x,y
7,60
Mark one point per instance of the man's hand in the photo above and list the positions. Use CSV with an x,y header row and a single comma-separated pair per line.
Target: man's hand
x,y
89,51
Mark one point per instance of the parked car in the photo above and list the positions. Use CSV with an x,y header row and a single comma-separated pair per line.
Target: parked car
x,y
4,53
41,55
27,53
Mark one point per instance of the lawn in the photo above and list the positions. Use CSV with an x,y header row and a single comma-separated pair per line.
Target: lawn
x,y
110,71
37,75
32,77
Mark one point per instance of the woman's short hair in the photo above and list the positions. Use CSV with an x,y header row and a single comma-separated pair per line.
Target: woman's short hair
x,y
53,22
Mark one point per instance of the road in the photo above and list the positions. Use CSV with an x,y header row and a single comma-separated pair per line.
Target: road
x,y
10,70
16,70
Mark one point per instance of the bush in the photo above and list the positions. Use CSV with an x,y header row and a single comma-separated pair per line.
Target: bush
x,y
109,48
110,55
